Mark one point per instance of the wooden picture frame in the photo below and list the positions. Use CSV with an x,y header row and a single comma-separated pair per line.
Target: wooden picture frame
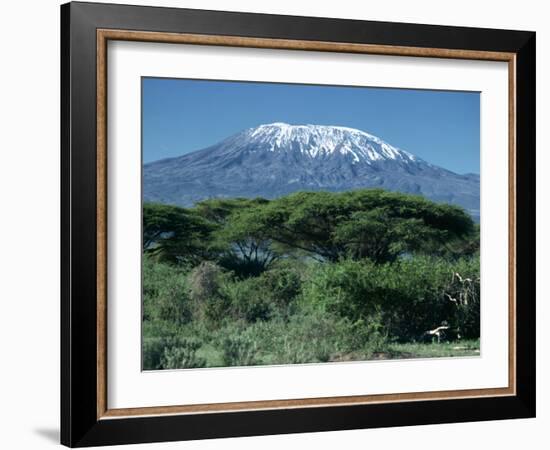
x,y
86,418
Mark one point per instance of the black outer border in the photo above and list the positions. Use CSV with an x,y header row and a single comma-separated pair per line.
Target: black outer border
x,y
79,425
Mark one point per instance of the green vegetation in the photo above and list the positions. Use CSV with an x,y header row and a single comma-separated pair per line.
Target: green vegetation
x,y
310,277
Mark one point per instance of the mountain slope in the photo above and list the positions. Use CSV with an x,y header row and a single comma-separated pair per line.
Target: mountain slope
x,y
276,159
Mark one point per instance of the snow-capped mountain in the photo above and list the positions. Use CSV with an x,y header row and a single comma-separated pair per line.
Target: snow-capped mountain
x,y
276,159
317,141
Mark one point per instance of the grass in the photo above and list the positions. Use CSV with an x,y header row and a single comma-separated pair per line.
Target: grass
x,y
431,350
213,356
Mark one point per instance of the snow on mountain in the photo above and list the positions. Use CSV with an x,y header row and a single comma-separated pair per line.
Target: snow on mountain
x,y
276,159
321,140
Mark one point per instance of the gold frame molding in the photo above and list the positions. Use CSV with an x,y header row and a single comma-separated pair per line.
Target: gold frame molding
x,y
103,36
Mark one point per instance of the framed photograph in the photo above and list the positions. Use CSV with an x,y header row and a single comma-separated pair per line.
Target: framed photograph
x,y
276,224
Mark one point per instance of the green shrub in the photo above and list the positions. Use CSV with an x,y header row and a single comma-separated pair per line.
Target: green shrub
x,y
367,335
302,311
165,293
283,284
206,281
171,352
152,351
182,354
239,349
410,295
264,297
247,300
309,337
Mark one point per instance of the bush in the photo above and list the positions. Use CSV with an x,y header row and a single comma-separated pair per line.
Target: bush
x,y
269,295
308,337
368,335
283,284
206,281
152,351
239,349
410,296
165,293
301,311
247,300
182,354
311,338
328,337
171,352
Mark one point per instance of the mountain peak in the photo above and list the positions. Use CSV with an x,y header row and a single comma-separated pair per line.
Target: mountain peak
x,y
283,127
276,159
323,141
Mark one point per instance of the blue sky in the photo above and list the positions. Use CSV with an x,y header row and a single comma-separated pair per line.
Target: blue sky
x,y
180,116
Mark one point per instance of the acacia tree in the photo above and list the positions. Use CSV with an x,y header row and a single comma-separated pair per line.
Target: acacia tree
x,y
249,249
175,234
219,210
374,224
248,235
240,245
